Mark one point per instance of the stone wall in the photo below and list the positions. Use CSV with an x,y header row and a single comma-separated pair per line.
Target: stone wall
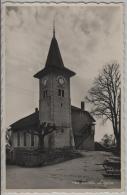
x,y
79,120
56,109
88,144
30,157
62,137
61,105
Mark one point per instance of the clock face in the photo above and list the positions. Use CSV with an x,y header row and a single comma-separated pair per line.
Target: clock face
x,y
44,82
61,80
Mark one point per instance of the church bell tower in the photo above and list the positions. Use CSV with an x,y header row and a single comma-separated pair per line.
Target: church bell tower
x,y
54,98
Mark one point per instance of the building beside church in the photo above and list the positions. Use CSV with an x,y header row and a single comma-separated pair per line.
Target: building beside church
x,y
74,127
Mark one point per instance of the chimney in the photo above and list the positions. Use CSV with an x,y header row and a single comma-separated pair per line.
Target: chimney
x,y
82,106
36,109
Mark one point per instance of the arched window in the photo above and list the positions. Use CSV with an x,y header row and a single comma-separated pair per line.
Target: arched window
x,y
45,93
18,138
32,139
61,92
24,138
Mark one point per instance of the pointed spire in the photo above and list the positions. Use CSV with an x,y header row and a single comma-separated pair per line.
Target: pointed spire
x,y
54,28
54,59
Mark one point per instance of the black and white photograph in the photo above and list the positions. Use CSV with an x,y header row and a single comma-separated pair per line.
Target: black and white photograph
x,y
63,96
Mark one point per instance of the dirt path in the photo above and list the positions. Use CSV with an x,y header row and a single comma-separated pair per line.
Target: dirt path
x,y
77,173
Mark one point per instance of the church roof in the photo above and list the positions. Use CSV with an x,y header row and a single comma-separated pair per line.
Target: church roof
x,y
31,121
28,122
74,108
54,61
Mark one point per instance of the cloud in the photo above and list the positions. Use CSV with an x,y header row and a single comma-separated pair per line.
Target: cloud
x,y
88,37
11,8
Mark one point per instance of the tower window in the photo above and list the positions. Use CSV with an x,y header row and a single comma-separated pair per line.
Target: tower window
x,y
45,93
60,92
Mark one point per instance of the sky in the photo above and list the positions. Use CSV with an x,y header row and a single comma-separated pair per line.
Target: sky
x,y
89,37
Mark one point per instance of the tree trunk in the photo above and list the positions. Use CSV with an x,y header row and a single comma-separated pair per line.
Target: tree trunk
x,y
118,142
118,139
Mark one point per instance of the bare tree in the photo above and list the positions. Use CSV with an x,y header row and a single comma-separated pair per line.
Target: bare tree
x,y
8,138
43,129
105,95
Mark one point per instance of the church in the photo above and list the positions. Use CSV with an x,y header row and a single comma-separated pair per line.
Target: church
x,y
74,127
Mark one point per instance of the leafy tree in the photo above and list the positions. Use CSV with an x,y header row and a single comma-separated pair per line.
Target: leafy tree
x,y
105,96
107,140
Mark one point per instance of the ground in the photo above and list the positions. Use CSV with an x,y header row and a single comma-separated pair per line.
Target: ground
x,y
80,173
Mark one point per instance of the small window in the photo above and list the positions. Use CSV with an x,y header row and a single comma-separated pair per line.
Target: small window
x,y
62,93
59,92
18,138
32,139
24,138
45,93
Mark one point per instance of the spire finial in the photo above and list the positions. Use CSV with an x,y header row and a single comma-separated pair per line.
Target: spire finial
x,y
54,27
